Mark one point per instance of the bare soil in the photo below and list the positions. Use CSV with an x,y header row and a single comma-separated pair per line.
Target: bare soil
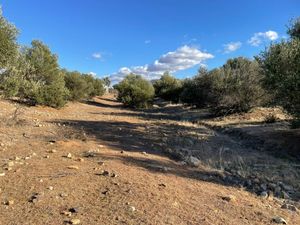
x,y
56,160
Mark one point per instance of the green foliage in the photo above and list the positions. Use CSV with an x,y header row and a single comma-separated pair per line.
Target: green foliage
x,y
45,74
54,95
234,87
201,90
76,85
281,67
8,44
12,80
94,86
33,74
98,88
135,91
294,29
106,81
83,86
10,85
240,88
168,87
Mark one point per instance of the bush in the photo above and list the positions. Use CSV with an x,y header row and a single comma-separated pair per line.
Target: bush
x,y
95,87
281,67
76,85
8,42
234,87
201,90
134,91
240,87
168,87
52,95
45,76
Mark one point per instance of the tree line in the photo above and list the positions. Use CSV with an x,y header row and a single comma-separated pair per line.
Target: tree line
x,y
32,73
271,78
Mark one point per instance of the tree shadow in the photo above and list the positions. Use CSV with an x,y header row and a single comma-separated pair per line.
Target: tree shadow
x,y
272,138
101,104
143,115
162,139
173,168
108,99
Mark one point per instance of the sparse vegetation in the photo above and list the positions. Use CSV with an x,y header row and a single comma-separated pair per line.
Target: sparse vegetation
x,y
33,74
168,87
234,87
213,148
135,91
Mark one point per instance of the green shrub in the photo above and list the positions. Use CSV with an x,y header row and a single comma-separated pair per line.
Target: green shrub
x,y
76,85
168,87
52,95
240,87
281,67
201,89
45,76
95,86
8,42
10,85
134,91
234,87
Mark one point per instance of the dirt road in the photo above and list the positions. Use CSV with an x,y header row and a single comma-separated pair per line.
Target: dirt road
x,y
103,164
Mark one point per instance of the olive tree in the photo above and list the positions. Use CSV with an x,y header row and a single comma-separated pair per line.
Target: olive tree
x,y
45,75
135,91
280,63
168,87
8,42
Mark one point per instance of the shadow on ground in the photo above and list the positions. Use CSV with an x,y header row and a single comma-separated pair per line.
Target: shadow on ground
x,y
162,138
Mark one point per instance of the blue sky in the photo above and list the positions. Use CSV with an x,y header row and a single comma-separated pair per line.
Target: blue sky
x,y
115,37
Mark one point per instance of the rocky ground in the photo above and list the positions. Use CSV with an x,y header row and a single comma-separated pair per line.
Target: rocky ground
x,y
100,163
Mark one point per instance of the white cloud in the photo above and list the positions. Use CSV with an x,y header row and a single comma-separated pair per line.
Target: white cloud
x,y
97,55
93,74
260,37
147,42
232,46
183,58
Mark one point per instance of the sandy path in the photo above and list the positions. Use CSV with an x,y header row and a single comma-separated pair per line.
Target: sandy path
x,y
149,188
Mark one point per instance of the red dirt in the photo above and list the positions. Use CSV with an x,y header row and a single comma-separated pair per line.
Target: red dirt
x,y
161,190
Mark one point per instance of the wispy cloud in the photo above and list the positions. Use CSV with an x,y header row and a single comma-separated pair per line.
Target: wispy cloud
x,y
147,42
97,55
182,58
260,37
232,46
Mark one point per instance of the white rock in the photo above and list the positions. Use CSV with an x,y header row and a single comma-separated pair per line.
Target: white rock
x,y
193,161
75,221
132,208
10,164
279,220
263,194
